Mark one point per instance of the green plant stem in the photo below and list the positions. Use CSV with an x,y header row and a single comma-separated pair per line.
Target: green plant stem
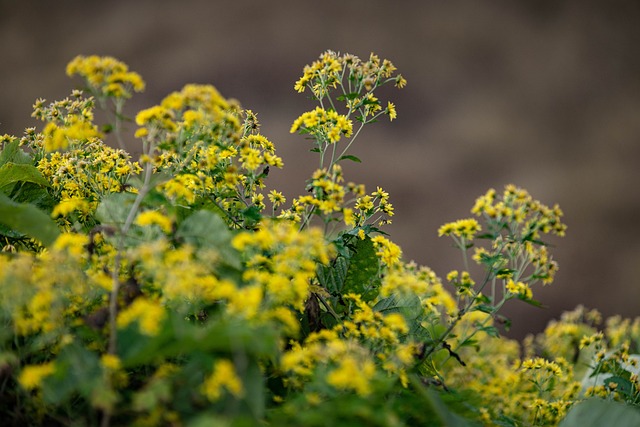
x,y
113,302
457,319
328,307
119,104
353,138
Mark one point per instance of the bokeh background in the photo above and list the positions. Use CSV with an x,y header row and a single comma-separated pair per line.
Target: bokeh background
x,y
544,94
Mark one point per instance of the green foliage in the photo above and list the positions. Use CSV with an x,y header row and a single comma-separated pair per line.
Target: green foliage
x,y
597,412
26,219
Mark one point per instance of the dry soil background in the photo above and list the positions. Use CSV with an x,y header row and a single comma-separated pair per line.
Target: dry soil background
x,y
543,94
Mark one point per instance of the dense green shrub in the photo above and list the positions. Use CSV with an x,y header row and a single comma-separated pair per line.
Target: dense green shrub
x,y
176,290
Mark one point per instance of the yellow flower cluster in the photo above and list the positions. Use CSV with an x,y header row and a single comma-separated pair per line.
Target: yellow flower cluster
x,y
520,289
270,302
157,116
211,148
68,122
81,176
331,68
148,313
464,228
106,76
345,364
323,125
328,199
389,252
530,391
154,218
517,207
281,261
223,377
31,376
41,292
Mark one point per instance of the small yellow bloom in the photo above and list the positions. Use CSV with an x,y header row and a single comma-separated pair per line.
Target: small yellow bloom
x,y
73,243
111,362
391,111
32,375
154,217
223,377
67,206
353,375
150,315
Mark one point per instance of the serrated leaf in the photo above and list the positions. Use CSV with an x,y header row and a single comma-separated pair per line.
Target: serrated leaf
x,y
596,412
28,219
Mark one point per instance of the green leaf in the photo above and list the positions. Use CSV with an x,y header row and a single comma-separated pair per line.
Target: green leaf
x,y
14,154
624,386
28,219
532,302
206,229
596,412
350,157
178,337
362,275
352,95
77,371
28,192
489,309
114,208
251,216
406,304
332,277
10,173
441,411
491,331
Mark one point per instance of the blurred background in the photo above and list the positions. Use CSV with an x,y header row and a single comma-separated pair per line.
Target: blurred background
x,y
544,94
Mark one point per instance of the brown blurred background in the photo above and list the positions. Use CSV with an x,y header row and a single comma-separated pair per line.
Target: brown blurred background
x,y
542,94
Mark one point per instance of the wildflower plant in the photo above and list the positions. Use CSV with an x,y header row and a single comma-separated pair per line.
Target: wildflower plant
x,y
177,289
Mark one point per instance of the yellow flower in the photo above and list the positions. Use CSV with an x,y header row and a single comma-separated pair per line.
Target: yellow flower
x,y
277,198
111,362
154,217
150,315
466,228
388,251
391,111
352,374
72,243
223,377
32,375
65,207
